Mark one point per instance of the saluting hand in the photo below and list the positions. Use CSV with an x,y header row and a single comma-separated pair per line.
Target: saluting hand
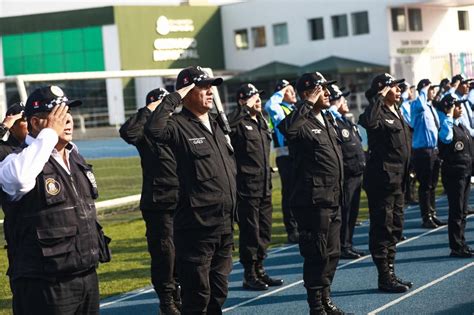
x,y
315,94
57,118
10,119
384,91
251,101
185,90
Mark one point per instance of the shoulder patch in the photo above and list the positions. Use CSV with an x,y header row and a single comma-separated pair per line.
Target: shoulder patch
x,y
52,186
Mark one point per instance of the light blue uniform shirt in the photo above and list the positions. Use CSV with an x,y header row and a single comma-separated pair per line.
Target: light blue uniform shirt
x,y
446,132
276,113
466,118
424,118
405,108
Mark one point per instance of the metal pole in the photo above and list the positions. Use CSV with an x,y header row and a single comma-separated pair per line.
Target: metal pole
x,y
20,85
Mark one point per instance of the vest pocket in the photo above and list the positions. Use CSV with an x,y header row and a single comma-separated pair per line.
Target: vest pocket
x,y
205,169
165,190
57,247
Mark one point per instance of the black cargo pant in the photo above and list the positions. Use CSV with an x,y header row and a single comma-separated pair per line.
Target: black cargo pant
x,y
427,165
159,236
255,228
285,167
386,222
350,209
457,189
67,295
204,264
319,244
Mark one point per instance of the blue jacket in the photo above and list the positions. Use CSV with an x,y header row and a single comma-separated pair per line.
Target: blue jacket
x,y
276,112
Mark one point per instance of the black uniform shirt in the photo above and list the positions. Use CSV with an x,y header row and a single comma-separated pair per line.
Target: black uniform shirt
x,y
317,158
160,182
205,165
251,141
351,145
389,147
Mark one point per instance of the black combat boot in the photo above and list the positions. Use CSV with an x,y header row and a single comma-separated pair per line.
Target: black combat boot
x,y
262,275
167,305
315,302
386,282
391,268
251,281
328,305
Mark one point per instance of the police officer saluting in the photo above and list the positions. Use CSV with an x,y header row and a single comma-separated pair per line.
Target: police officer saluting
x,y
425,122
456,151
385,176
251,141
206,172
354,164
317,192
159,198
17,127
55,242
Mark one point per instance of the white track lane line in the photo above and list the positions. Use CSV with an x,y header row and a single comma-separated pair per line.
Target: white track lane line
x,y
432,283
258,297
144,291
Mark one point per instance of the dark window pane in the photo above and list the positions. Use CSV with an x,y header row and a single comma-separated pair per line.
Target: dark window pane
x,y
399,23
414,20
360,23
339,25
316,29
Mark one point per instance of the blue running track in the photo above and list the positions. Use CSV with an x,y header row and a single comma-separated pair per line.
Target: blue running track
x,y
442,284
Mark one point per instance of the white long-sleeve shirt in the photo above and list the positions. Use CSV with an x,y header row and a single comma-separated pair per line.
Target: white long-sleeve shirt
x,y
18,171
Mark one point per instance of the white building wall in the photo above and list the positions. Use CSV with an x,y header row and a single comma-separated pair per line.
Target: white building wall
x,y
439,38
372,47
3,92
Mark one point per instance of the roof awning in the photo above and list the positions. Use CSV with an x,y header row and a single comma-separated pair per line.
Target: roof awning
x,y
270,71
341,65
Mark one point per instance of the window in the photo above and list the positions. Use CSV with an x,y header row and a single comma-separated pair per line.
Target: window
x,y
463,20
241,39
414,20
316,29
360,23
399,22
339,25
280,34
258,36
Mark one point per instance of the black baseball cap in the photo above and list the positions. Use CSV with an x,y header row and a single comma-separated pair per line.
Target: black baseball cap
x,y
383,80
155,95
404,86
448,101
196,75
15,109
247,90
309,81
336,93
281,84
423,83
45,98
444,82
460,77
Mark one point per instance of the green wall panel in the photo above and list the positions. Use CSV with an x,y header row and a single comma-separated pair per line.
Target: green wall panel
x,y
69,50
137,34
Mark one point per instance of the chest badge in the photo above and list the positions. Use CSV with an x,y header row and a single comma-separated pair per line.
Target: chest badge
x,y
248,127
52,186
91,178
316,131
345,133
197,140
390,121
459,146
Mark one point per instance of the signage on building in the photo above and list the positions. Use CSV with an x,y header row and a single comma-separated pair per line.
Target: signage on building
x,y
176,48
412,47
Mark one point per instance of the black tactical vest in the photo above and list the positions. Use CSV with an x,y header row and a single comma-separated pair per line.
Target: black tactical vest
x,y
457,155
53,230
351,145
